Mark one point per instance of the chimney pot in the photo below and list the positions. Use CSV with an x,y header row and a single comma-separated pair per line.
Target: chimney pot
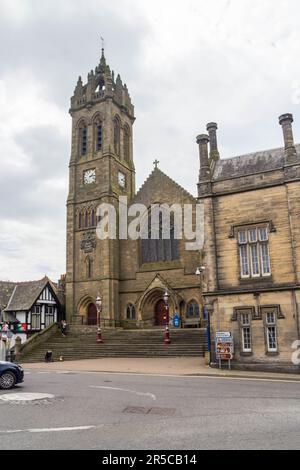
x,y
286,121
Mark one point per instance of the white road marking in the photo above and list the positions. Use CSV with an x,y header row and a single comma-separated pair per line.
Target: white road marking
x,y
25,396
74,428
43,430
150,395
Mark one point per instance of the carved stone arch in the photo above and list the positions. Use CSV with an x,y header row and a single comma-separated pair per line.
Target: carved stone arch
x,y
98,116
83,304
152,295
81,123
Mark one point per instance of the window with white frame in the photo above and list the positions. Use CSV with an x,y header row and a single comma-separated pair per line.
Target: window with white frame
x,y
271,332
36,317
246,332
254,252
49,315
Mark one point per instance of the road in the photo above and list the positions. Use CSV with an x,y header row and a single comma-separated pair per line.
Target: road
x,y
128,412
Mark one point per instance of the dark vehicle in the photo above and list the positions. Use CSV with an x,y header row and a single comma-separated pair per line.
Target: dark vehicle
x,y
10,375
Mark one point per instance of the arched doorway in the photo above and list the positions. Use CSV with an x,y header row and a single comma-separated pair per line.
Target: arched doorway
x,y
160,313
92,314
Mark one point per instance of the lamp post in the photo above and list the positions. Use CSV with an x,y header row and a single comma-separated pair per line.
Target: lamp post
x,y
99,309
167,331
199,273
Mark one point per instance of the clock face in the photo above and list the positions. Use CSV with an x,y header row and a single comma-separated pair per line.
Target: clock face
x,y
89,176
122,179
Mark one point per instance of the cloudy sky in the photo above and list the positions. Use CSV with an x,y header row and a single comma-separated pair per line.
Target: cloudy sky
x,y
186,63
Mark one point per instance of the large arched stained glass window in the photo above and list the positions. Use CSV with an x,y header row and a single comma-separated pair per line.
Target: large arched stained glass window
x,y
157,248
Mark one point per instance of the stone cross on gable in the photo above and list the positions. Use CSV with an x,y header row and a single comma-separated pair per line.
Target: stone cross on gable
x,y
155,163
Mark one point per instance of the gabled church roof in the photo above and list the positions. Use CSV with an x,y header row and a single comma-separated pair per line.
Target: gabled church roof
x,y
251,163
25,294
158,181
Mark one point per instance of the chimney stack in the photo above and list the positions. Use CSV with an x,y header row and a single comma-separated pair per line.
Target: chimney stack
x,y
286,121
202,141
212,130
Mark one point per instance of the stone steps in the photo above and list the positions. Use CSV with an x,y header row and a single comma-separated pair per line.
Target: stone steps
x,y
81,344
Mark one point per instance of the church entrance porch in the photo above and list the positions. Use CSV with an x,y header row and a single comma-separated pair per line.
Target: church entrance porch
x,y
152,308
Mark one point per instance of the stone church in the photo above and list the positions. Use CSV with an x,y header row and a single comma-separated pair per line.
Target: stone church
x,y
250,284
130,276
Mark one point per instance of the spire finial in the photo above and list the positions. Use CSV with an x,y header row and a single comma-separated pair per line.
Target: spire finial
x,y
155,163
102,43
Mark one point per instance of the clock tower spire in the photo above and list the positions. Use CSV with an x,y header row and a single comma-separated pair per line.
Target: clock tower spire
x,y
101,169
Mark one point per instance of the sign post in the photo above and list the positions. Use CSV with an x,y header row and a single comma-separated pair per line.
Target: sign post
x,y
224,347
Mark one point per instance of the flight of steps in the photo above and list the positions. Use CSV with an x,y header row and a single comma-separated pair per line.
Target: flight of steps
x,y
81,344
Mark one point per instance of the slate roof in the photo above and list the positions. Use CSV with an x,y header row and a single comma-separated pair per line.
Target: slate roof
x,y
251,163
6,290
25,294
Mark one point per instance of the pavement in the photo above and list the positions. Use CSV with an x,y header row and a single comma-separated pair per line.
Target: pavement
x,y
156,366
60,409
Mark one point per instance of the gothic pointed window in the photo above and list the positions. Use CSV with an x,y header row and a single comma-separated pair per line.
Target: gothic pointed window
x,y
80,220
98,132
130,312
126,144
82,139
193,310
93,218
158,247
117,135
86,219
89,267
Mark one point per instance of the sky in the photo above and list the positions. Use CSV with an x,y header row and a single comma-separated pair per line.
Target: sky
x,y
186,63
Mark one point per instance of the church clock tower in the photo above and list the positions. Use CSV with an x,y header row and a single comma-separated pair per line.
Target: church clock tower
x,y
101,169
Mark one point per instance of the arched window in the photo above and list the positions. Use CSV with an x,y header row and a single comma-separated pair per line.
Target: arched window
x,y
126,144
193,310
82,139
130,312
86,219
80,220
157,248
93,218
98,135
89,267
117,135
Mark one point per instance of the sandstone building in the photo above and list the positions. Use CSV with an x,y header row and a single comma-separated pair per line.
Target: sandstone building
x,y
251,254
131,276
252,246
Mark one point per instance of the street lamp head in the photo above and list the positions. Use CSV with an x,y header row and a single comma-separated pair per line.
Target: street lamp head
x,y
200,270
98,301
166,297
